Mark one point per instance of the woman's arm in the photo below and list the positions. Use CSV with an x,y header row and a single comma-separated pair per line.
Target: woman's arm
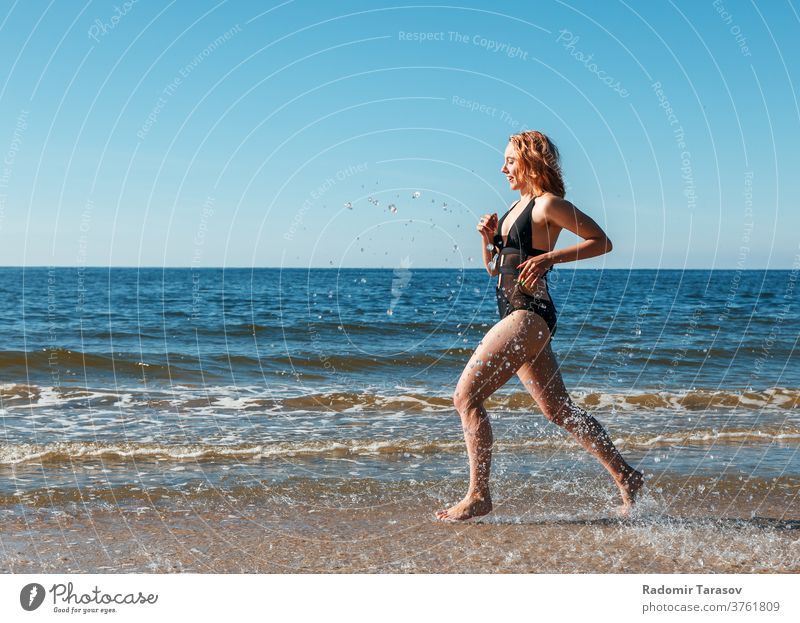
x,y
561,212
564,214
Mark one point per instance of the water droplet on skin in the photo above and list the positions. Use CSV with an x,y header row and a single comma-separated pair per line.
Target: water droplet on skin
x,y
416,194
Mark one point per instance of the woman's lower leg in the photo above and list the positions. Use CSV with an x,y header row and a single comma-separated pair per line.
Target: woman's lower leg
x,y
543,379
479,439
594,438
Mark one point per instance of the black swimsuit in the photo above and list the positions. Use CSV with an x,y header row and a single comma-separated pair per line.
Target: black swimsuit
x,y
519,248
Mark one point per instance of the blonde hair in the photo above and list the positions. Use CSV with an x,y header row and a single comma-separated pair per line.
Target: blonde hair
x,y
537,154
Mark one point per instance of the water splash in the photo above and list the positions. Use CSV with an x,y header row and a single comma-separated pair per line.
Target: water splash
x,y
401,278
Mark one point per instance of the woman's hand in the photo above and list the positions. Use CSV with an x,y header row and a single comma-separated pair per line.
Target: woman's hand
x,y
487,227
533,268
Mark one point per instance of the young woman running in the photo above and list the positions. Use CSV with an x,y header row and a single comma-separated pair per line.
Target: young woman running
x,y
520,251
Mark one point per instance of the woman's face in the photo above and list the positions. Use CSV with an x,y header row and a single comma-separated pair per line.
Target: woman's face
x,y
510,169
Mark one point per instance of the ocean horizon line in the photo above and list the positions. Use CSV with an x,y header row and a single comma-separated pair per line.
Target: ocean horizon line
x,y
178,267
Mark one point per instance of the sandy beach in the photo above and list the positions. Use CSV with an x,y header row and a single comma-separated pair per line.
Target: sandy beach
x,y
276,531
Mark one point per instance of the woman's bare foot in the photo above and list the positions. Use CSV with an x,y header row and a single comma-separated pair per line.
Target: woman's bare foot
x,y
629,487
470,506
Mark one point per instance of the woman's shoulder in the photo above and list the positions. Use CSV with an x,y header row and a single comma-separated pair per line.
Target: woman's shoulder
x,y
548,201
551,208
547,197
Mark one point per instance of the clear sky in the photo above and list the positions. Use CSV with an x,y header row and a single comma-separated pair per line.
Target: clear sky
x,y
149,133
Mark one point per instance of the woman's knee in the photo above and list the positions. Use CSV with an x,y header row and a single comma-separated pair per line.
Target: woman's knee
x,y
566,414
465,401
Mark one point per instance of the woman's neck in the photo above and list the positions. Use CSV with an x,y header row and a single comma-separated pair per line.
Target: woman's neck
x,y
531,192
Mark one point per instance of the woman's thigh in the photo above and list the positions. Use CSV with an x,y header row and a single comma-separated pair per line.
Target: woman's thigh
x,y
517,338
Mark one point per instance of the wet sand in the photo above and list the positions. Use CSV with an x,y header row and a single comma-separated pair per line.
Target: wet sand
x,y
364,527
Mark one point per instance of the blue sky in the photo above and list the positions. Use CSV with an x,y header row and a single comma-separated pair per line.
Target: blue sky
x,y
234,133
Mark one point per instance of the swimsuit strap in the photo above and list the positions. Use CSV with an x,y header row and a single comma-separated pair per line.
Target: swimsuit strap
x,y
499,234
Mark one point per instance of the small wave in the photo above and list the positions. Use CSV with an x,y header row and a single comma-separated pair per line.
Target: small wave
x,y
77,451
694,400
45,361
13,454
19,393
697,400
712,437
254,399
